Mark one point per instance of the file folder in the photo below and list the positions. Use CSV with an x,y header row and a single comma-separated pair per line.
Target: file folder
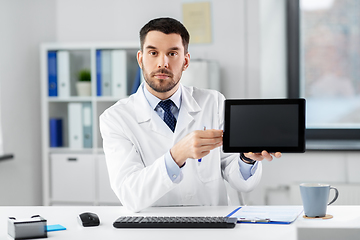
x,y
119,73
87,125
106,73
52,74
75,125
266,214
98,73
137,80
56,132
63,73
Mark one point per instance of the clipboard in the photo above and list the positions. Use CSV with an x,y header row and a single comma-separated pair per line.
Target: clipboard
x,y
266,214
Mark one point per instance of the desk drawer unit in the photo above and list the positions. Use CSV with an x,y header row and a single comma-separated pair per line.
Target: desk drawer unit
x,y
72,178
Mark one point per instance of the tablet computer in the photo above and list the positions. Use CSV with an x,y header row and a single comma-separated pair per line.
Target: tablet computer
x,y
274,125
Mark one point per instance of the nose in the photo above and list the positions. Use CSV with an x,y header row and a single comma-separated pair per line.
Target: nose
x,y
163,62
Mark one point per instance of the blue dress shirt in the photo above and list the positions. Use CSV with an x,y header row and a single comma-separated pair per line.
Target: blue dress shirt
x,y
173,170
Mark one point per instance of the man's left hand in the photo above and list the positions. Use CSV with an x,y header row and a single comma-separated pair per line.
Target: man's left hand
x,y
263,155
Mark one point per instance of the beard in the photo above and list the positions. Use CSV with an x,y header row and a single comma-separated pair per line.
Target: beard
x,y
161,85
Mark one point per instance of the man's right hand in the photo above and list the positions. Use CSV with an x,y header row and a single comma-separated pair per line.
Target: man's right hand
x,y
196,145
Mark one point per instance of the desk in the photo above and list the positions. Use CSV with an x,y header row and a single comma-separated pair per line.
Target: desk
x,y
344,216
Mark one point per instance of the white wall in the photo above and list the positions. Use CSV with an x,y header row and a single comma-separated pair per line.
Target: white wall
x,y
23,25
112,20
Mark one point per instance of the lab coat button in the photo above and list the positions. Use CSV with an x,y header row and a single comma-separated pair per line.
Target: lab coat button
x,y
174,176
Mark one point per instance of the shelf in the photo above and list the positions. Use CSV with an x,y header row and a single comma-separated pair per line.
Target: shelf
x,y
70,150
107,99
70,99
83,99
78,127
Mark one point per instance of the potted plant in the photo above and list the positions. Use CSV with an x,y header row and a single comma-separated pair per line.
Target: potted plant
x,y
83,85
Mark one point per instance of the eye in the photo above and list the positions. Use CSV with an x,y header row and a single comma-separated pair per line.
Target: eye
x,y
172,54
153,53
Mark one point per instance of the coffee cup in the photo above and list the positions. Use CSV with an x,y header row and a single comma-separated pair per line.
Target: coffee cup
x,y
315,198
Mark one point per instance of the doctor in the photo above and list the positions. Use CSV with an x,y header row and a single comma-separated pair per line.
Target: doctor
x,y
157,150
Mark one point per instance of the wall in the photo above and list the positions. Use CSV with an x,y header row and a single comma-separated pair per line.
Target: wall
x,y
23,25
112,20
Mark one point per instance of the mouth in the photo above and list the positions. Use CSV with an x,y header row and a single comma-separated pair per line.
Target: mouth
x,y
162,76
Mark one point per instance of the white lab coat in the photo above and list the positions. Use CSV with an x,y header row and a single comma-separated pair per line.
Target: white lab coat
x,y
135,140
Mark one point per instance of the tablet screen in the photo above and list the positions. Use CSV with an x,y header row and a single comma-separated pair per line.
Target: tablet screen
x,y
274,125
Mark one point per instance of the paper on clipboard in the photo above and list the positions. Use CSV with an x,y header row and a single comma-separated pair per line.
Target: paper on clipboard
x,y
267,214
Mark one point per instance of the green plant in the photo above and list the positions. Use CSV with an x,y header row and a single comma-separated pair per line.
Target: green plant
x,y
84,75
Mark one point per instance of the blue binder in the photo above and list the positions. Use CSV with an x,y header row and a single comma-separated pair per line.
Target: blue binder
x,y
98,73
56,133
137,81
52,74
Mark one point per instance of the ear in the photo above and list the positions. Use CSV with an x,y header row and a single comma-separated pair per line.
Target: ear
x,y
186,61
139,57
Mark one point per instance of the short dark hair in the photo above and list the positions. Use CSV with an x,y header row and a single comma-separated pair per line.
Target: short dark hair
x,y
167,26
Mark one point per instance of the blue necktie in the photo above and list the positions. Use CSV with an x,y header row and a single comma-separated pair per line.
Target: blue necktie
x,y
169,118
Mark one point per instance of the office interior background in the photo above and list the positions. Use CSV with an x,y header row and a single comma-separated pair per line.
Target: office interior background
x,y
249,41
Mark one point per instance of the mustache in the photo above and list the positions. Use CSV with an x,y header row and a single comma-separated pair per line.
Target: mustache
x,y
162,71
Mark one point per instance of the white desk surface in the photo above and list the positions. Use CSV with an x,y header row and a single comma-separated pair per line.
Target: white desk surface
x,y
344,216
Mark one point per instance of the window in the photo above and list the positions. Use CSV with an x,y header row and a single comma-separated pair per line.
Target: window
x,y
324,65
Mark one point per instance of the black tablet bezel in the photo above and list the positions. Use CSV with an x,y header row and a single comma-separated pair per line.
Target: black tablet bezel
x,y
300,148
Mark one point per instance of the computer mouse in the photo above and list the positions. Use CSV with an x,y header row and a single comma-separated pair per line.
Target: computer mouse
x,y
88,219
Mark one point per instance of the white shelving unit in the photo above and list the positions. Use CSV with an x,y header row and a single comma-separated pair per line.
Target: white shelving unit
x,y
77,176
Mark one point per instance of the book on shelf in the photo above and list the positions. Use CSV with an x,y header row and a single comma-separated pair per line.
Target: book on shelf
x,y
63,73
56,132
52,74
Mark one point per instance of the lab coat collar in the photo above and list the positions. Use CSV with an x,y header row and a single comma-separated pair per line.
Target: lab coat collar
x,y
144,112
189,108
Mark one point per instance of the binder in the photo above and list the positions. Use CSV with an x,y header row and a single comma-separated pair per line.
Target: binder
x,y
106,72
266,214
137,81
119,73
87,125
75,125
202,74
52,74
98,73
196,75
56,132
63,73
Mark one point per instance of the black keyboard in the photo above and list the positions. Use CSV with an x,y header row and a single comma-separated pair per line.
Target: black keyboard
x,y
174,222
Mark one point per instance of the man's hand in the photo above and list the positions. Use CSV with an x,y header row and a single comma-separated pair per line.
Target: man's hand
x,y
263,155
196,145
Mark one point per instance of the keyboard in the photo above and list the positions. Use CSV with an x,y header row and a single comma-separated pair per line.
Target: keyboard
x,y
174,222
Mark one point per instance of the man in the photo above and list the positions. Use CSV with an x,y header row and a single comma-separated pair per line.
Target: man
x,y
158,152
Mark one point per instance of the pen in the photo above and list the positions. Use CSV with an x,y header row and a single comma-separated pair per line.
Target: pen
x,y
199,160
